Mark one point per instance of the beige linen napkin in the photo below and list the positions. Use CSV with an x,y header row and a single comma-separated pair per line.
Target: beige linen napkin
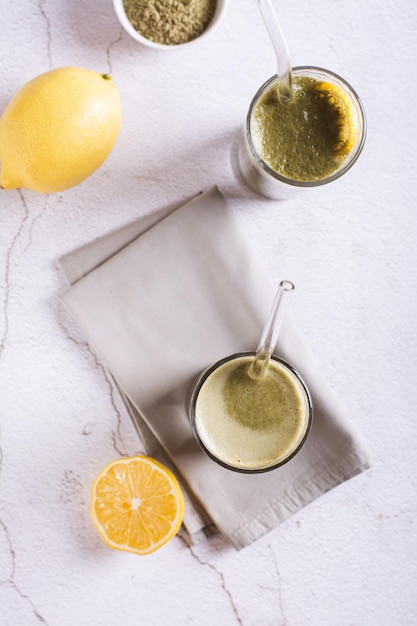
x,y
161,300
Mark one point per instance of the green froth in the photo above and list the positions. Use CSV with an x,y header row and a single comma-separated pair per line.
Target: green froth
x,y
259,403
251,423
298,140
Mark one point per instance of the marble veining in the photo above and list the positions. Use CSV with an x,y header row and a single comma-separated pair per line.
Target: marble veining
x,y
348,559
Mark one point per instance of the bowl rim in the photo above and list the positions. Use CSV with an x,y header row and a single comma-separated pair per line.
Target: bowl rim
x,y
131,30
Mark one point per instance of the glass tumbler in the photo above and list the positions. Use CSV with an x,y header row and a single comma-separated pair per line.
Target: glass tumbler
x,y
250,425
259,176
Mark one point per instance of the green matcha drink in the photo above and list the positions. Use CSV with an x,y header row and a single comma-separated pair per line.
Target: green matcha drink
x,y
311,141
250,424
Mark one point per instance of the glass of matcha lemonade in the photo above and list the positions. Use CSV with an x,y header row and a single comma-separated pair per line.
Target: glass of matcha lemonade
x,y
251,412
250,424
311,141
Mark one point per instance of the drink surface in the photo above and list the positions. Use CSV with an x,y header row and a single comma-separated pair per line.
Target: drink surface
x,y
309,138
251,423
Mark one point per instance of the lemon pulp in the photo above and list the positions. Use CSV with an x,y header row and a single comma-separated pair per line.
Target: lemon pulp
x,y
136,504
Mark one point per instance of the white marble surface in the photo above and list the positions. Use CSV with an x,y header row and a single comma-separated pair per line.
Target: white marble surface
x,y
348,559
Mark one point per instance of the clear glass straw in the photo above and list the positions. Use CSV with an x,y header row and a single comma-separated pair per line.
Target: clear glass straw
x,y
273,325
282,52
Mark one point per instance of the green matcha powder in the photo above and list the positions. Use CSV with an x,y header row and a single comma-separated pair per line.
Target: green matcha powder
x,y
170,22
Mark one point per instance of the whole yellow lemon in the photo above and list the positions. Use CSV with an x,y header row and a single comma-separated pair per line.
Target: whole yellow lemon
x,y
58,129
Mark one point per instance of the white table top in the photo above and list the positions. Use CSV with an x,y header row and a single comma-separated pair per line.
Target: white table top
x,y
350,557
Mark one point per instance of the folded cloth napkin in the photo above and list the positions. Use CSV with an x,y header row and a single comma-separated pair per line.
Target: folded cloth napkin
x,y
161,300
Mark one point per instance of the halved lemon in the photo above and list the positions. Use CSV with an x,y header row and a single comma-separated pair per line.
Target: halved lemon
x,y
136,504
341,104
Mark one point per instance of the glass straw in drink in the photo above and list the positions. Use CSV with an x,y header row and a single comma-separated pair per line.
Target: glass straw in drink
x,y
282,52
273,325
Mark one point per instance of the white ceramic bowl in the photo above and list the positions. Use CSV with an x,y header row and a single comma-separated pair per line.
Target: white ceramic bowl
x,y
121,14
